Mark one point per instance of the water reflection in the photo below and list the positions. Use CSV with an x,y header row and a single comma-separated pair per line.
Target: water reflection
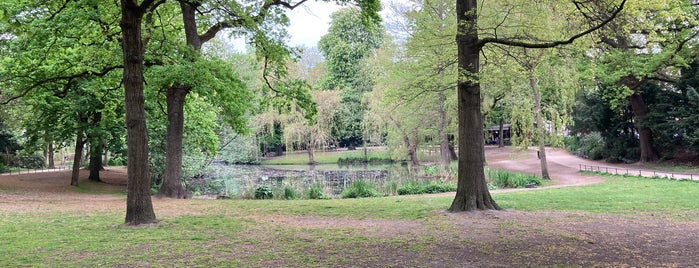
x,y
240,181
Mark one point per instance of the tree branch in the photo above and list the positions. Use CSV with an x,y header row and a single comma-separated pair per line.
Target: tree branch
x,y
69,78
508,42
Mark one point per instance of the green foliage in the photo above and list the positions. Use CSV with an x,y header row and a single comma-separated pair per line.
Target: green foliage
x,y
117,161
33,161
264,192
317,191
426,187
289,193
359,189
507,179
3,168
591,146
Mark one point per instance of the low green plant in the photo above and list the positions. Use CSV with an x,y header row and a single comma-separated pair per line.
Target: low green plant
x,y
317,191
264,192
431,170
290,193
426,188
359,189
506,179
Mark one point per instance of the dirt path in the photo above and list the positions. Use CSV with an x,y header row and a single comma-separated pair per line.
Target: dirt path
x,y
563,167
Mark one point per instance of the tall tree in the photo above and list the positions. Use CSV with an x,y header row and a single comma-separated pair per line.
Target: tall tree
x,y
641,46
472,191
346,46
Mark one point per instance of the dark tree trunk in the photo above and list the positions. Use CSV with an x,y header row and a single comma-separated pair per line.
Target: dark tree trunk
x,y
541,127
472,190
501,134
96,147
172,179
640,112
139,206
52,163
452,152
79,144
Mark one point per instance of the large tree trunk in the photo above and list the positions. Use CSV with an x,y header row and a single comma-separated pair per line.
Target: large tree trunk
x,y
139,206
79,144
49,152
96,147
444,151
540,125
472,190
640,112
172,179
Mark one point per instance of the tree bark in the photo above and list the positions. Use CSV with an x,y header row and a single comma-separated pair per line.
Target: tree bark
x,y
501,134
172,178
412,153
640,112
444,151
541,127
472,190
139,206
79,144
96,151
309,150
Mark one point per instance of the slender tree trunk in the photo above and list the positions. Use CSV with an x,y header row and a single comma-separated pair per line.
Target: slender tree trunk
x,y
444,151
52,162
540,125
79,144
472,190
139,206
172,179
501,134
309,150
640,112
412,152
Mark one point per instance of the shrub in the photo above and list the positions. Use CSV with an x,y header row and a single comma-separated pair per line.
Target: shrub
x,y
29,161
591,146
117,161
426,188
290,193
317,191
360,188
3,168
263,192
506,179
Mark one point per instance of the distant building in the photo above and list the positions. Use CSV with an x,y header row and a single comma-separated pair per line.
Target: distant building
x,y
494,134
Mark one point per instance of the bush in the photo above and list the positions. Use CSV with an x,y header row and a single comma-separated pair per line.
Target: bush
x,y
3,168
264,192
506,179
426,188
317,192
117,161
29,161
360,188
290,193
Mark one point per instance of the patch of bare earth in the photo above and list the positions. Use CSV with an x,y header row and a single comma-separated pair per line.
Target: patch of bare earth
x,y
477,239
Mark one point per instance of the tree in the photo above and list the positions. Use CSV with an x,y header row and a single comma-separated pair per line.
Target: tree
x,y
472,191
347,44
644,45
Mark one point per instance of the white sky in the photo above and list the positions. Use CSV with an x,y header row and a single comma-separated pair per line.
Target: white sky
x,y
311,21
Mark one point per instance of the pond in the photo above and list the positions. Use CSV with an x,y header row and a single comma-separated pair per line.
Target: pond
x,y
240,181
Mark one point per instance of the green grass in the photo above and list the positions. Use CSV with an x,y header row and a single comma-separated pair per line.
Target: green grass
x,y
331,157
243,233
618,194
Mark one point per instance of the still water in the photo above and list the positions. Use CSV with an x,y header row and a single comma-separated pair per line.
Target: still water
x,y
240,181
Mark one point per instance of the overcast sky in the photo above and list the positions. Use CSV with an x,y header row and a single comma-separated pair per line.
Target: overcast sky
x,y
311,21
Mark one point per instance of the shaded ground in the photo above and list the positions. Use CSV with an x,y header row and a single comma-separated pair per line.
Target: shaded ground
x,y
478,239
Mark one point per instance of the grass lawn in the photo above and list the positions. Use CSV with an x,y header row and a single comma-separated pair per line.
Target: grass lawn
x,y
301,233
